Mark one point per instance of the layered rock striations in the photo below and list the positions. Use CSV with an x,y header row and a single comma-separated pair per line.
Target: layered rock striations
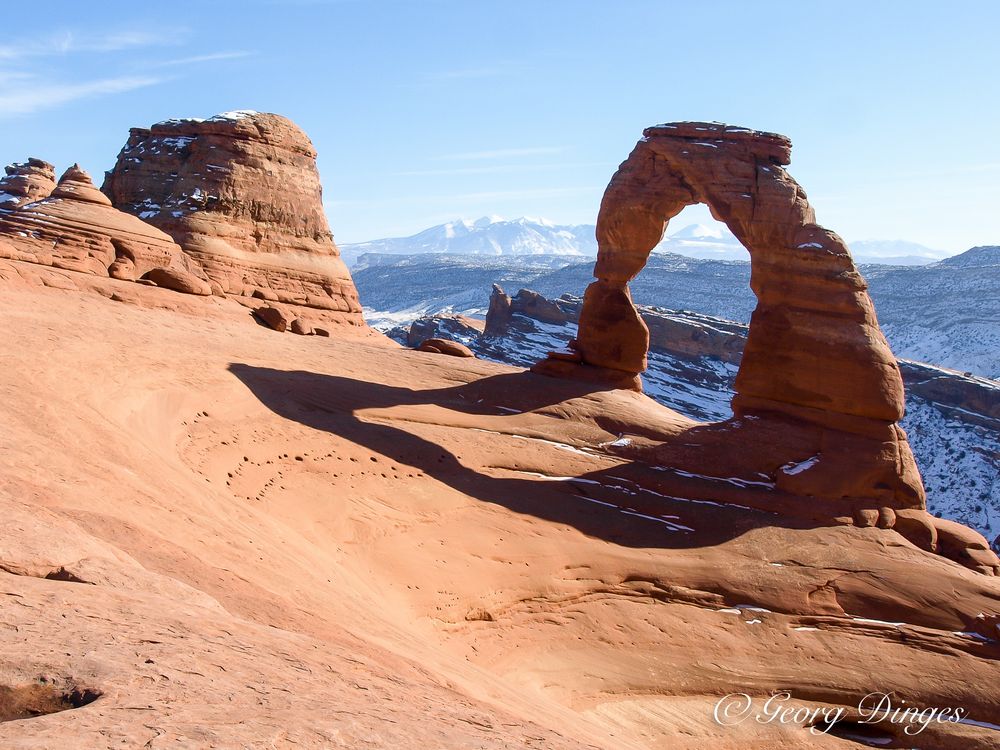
x,y
819,395
241,194
26,182
77,229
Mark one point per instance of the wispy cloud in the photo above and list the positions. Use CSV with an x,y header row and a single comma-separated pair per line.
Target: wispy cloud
x,y
30,83
66,42
25,99
503,153
209,57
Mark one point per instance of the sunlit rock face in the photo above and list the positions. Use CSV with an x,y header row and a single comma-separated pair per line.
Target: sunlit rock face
x,y
241,194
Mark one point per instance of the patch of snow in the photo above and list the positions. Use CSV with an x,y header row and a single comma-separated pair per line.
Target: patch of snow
x,y
983,724
797,467
876,622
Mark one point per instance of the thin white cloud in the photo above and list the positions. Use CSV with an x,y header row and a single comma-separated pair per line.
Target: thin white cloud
x,y
21,100
209,57
67,42
503,153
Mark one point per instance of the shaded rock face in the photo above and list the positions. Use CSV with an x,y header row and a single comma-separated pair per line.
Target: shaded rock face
x,y
241,194
77,229
26,182
815,365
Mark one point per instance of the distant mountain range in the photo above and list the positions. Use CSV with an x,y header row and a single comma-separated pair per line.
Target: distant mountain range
x,y
946,313
492,235
489,235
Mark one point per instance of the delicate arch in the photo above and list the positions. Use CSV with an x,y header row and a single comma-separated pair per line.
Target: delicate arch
x,y
815,359
814,348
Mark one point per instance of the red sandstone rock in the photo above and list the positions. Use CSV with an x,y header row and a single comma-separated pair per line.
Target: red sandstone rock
x,y
301,327
818,394
445,346
241,194
77,229
26,182
498,316
179,281
274,316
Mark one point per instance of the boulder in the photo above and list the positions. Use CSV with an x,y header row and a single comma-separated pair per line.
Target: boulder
x,y
274,316
178,281
301,327
445,346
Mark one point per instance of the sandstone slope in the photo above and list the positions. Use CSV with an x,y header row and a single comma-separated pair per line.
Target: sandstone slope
x,y
234,537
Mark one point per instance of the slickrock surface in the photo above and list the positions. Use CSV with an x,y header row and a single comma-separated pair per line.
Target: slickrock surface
x,y
819,393
26,182
233,538
241,194
77,229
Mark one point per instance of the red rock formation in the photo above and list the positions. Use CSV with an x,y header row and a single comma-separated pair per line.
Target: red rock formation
x,y
445,346
77,229
26,182
819,393
241,194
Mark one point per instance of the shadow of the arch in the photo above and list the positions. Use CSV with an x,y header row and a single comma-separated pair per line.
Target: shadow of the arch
x,y
616,505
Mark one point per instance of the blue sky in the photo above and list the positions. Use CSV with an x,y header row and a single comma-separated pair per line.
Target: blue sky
x,y
428,111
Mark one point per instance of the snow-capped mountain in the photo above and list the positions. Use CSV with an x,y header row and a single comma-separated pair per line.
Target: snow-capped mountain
x,y
716,242
713,241
894,252
489,235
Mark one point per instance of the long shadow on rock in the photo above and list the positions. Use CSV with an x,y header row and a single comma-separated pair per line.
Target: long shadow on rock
x,y
604,504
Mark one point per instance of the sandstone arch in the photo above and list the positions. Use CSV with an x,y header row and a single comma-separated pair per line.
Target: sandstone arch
x,y
814,339
816,371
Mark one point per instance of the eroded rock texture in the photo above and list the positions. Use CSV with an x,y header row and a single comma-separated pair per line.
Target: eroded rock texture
x,y
26,182
77,229
819,393
241,194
